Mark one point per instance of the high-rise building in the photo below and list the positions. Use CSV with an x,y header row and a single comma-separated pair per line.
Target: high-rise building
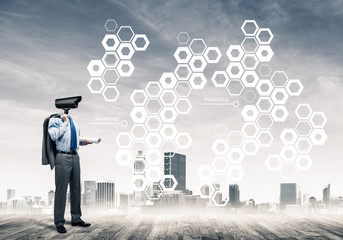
x,y
89,193
10,194
51,197
326,195
139,167
105,195
288,194
175,164
234,195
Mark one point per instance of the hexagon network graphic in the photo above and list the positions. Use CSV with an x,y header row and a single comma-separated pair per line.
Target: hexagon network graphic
x,y
265,93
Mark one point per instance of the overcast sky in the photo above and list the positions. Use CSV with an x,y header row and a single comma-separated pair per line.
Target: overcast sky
x,y
45,47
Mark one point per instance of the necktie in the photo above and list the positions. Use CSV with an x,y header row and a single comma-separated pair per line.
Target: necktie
x,y
73,138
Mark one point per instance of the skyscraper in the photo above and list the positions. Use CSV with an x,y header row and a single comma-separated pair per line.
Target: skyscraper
x,y
90,193
105,195
326,195
10,193
175,164
288,194
234,195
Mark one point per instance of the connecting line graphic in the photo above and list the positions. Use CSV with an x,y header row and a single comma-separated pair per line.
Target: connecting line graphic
x,y
234,104
124,123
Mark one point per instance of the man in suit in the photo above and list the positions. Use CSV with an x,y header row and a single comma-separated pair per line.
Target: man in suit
x,y
66,133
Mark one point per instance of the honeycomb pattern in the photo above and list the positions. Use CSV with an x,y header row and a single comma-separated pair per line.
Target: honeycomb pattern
x,y
120,45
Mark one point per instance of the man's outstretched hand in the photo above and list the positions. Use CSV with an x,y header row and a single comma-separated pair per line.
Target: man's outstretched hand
x,y
85,142
65,118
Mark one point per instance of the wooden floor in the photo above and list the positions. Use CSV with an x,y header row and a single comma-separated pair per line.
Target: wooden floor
x,y
176,227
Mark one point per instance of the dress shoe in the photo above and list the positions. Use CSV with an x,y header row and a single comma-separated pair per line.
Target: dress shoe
x,y
81,224
61,229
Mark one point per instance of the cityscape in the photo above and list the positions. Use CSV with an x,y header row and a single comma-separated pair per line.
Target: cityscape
x,y
102,197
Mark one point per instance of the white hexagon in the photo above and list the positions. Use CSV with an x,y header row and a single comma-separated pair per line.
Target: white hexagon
x,y
288,171
168,80
212,55
183,140
303,162
111,25
274,163
198,80
249,27
303,128
288,136
264,104
96,85
110,59
264,36
294,87
318,137
125,34
250,61
168,114
95,68
124,140
250,130
205,173
220,147
153,106
235,87
124,157
153,89
183,106
198,46
139,131
220,78
138,115
303,145
220,164
198,63
249,45
153,174
318,120
265,70
153,123
288,154
235,53
110,76
139,165
264,53
250,113
153,140
110,42
279,79
125,51
220,198
279,113
168,97
183,72
249,96
250,78
206,190
235,173
235,138
235,155
265,138
171,187
182,55
250,147
110,93
264,87
169,147
138,146
183,89
234,70
168,132
140,42
125,68
139,98
183,37
303,111
154,190
279,96
138,182
154,157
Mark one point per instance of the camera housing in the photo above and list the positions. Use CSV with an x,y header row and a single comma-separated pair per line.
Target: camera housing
x,y
67,103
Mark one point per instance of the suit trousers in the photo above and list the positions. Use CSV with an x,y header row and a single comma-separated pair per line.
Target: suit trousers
x,y
67,170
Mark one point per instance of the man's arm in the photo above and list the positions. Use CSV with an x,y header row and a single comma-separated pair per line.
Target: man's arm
x,y
56,128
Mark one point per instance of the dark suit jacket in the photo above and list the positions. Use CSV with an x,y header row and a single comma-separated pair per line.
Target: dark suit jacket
x,y
48,145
